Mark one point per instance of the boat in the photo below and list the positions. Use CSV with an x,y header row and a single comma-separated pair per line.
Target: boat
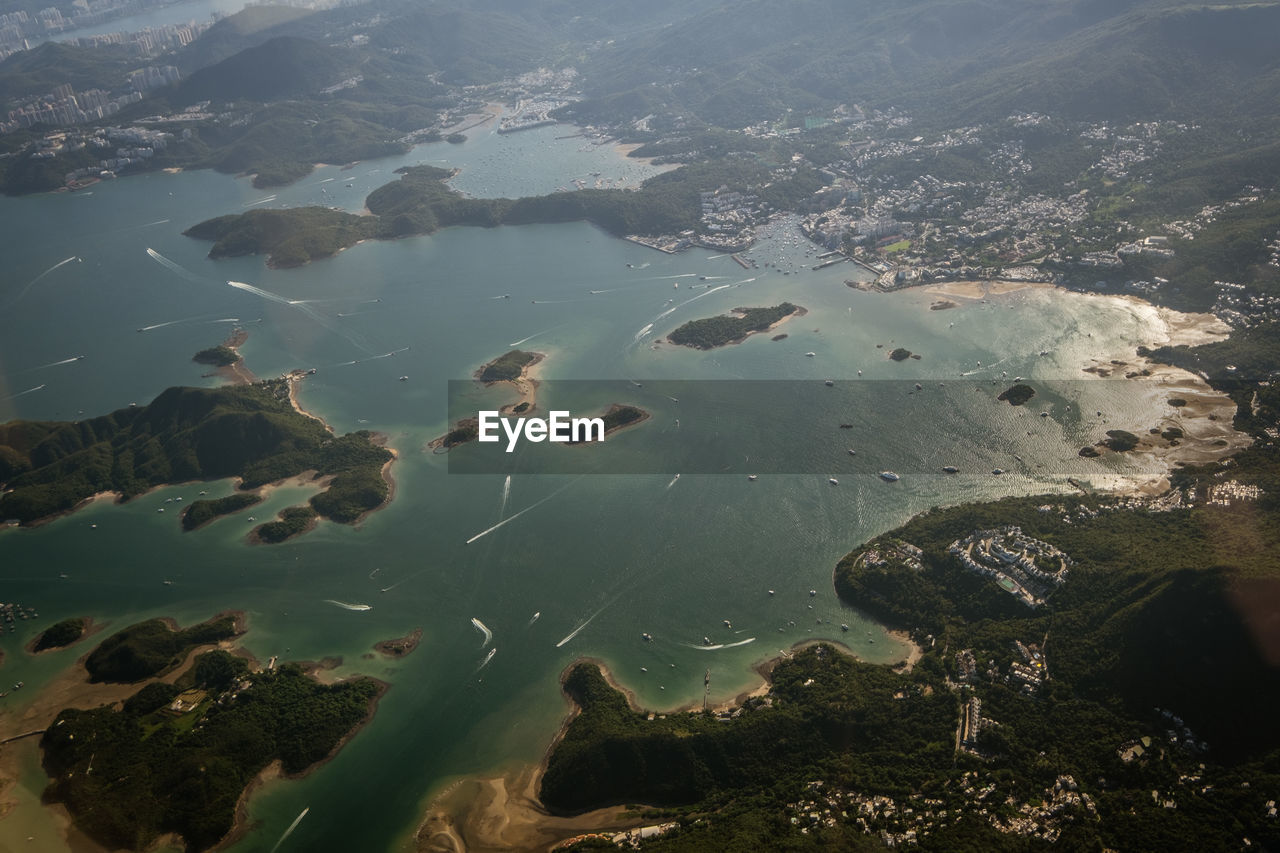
x,y
833,481
844,627
829,383
647,637
810,354
889,476
403,378
997,471
852,452
812,593
706,641
771,592
644,669
727,624
950,469
753,477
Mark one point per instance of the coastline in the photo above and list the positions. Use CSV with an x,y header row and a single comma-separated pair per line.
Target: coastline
x,y
502,812
1207,421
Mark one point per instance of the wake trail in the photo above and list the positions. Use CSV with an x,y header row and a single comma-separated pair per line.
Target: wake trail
x,y
707,292
512,518
262,201
537,335
301,306
345,606
673,481
297,820
486,660
33,281
720,645
483,629
506,495
173,266
56,363
24,393
576,631
534,618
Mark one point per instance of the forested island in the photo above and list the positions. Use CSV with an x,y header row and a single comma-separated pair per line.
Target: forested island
x,y
712,332
61,634
509,367
420,203
177,757
152,648
252,432
200,512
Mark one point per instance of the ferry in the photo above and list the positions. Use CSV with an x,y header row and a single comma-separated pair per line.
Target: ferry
x,y
889,476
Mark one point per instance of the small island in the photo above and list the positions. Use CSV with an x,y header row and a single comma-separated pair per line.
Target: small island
x,y
219,356
202,512
711,332
1120,440
618,417
902,354
293,521
1017,395
511,367
401,646
62,634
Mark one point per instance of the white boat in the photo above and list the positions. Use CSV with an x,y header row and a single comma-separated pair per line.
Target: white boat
x,y
889,476
950,469
753,477
810,354
833,481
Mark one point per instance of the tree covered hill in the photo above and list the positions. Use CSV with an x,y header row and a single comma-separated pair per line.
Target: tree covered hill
x,y
252,432
951,58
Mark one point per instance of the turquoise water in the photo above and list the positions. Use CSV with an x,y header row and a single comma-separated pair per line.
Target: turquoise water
x,y
607,557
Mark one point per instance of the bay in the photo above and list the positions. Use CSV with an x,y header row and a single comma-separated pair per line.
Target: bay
x,y
601,559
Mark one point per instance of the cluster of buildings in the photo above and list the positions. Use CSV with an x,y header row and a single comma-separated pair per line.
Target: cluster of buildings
x,y
1024,567
64,107
1232,491
1242,306
886,551
21,31
125,146
902,821
728,219
627,840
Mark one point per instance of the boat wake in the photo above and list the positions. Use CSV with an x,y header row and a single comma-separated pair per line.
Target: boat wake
x,y
706,292
673,481
512,518
506,494
720,645
534,618
345,606
483,629
173,266
262,201
56,363
24,393
536,335
33,281
297,820
486,660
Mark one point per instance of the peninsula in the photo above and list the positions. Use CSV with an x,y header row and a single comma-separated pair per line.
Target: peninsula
x,y
253,432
